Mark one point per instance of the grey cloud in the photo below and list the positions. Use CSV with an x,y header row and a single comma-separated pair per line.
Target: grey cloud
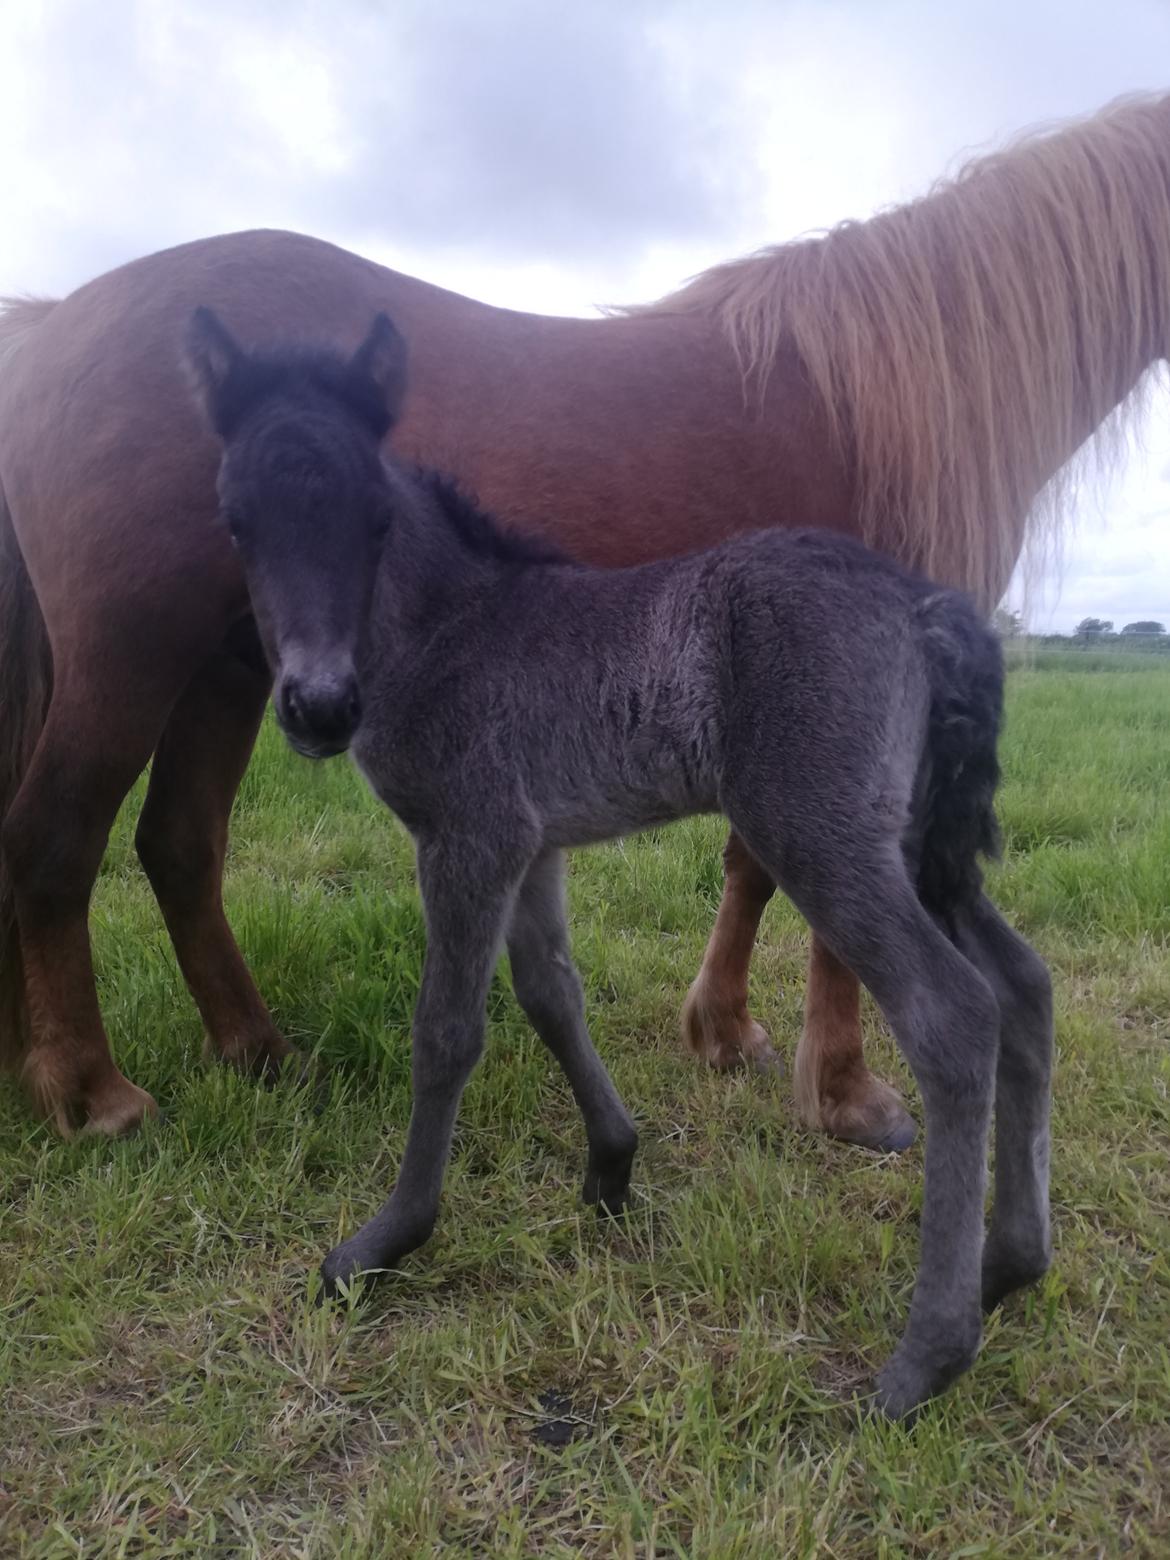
x,y
554,128
518,129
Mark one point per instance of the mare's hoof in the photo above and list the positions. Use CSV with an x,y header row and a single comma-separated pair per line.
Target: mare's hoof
x,y
268,1060
120,1113
767,1061
873,1116
724,1035
109,1105
899,1137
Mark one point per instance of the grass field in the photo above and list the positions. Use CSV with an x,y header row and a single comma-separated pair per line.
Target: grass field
x,y
167,1389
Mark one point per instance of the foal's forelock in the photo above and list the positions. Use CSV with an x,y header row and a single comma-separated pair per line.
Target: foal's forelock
x,y
303,490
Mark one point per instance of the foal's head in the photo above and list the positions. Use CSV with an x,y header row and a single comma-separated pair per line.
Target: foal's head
x,y
303,493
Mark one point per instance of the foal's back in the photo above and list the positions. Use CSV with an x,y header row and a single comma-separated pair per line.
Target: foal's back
x,y
784,671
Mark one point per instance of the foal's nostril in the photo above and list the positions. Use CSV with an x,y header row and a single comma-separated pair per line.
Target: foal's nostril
x,y
293,710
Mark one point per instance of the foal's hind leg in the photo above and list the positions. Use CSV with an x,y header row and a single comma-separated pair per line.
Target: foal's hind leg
x,y
946,1021
1019,1242
549,990
182,841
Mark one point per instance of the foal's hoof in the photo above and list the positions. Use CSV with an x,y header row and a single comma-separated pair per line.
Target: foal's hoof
x,y
609,1194
370,1252
897,1401
1006,1271
341,1273
871,1115
909,1379
607,1175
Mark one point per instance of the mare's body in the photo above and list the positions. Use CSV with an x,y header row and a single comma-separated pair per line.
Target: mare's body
x,y
506,704
916,379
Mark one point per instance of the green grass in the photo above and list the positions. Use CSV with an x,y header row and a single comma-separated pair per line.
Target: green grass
x,y
167,1389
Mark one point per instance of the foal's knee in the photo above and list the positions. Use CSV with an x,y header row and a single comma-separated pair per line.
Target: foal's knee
x,y
547,986
1030,983
959,1020
445,1053
1026,1052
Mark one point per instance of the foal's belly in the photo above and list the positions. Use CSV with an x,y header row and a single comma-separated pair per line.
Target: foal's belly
x,y
592,821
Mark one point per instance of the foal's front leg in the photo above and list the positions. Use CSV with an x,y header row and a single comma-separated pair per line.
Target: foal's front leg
x,y
548,988
467,900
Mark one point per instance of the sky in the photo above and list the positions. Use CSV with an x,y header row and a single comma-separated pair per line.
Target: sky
x,y
557,158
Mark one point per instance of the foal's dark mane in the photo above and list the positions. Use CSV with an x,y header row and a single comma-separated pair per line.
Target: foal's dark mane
x,y
477,530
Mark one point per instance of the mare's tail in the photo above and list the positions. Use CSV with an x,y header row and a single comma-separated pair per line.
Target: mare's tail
x,y
25,686
961,763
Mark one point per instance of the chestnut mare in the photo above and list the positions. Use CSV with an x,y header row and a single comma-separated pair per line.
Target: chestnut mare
x,y
918,379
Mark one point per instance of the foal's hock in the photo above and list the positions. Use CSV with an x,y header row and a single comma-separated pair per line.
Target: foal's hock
x,y
507,704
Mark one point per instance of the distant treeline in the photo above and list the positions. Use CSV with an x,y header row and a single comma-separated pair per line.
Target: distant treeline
x,y
1141,644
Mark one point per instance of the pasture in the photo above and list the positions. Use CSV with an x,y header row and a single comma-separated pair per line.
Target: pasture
x,y
167,1388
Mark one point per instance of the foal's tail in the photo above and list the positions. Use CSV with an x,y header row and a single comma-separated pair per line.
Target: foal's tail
x,y
25,685
961,763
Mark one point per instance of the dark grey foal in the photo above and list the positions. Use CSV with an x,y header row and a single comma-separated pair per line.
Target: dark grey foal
x,y
842,713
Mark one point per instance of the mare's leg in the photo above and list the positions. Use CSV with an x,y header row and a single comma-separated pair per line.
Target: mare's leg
x,y
835,1090
467,898
1019,1242
716,1024
946,1020
182,841
101,727
549,990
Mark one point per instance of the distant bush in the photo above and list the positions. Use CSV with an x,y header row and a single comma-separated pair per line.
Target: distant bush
x,y
1110,644
1049,652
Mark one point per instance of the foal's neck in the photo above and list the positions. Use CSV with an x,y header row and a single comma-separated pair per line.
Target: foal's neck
x,y
428,570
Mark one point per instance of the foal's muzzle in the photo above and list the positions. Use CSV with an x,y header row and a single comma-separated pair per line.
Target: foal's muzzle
x,y
319,714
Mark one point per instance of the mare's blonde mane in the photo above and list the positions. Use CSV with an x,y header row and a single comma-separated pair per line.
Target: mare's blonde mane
x,y
964,344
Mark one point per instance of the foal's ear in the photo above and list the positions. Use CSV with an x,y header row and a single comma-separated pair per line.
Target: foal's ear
x,y
212,356
380,362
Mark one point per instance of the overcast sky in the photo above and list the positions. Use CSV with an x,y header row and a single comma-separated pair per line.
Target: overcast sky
x,y
554,157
